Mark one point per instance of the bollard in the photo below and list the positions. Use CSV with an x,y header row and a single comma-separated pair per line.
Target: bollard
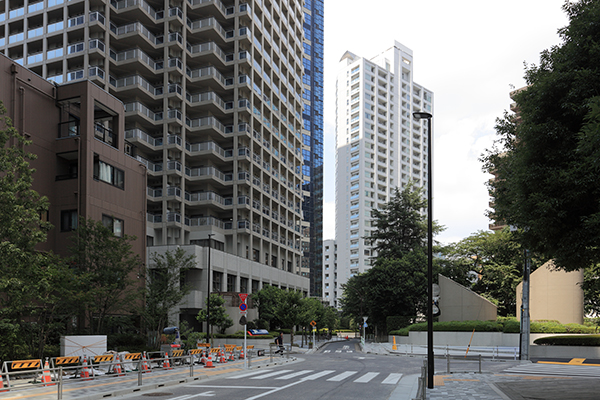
x,y
191,366
479,363
60,382
448,363
140,372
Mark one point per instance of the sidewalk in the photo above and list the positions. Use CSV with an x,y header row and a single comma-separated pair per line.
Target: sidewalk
x,y
114,386
492,383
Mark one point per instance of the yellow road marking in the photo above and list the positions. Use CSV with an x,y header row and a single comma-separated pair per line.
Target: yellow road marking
x,y
573,361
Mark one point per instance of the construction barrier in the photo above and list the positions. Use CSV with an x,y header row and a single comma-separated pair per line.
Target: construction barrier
x,y
21,366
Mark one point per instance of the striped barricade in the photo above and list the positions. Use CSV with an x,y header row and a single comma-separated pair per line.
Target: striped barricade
x,y
20,367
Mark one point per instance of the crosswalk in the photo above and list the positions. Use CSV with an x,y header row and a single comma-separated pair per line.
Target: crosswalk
x,y
555,369
330,375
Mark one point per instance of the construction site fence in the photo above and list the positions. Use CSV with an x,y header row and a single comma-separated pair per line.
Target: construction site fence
x,y
28,374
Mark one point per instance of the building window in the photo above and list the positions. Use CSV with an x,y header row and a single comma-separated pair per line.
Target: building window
x,y
243,285
115,225
107,173
231,283
217,281
68,220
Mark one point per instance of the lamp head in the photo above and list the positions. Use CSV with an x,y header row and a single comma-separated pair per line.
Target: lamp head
x,y
422,115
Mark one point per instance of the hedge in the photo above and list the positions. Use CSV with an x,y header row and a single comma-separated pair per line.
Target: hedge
x,y
568,340
502,324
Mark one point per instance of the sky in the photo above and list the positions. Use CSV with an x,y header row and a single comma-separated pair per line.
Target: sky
x,y
471,54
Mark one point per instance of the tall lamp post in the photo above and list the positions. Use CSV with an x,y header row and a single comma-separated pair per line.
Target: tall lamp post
x,y
430,364
210,235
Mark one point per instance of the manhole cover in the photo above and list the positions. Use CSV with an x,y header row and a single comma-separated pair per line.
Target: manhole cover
x,y
156,394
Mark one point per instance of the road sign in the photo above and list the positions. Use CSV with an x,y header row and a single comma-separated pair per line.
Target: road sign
x,y
243,320
243,307
313,323
243,296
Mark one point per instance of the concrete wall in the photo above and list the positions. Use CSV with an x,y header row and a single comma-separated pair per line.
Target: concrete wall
x,y
457,303
554,295
480,339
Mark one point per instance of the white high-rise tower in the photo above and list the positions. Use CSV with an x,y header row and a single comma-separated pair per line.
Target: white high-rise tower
x,y
379,146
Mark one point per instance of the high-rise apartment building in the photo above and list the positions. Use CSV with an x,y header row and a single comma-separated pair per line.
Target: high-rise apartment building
x,y
213,97
379,146
312,145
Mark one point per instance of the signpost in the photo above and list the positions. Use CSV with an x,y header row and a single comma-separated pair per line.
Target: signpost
x,y
314,326
243,308
364,329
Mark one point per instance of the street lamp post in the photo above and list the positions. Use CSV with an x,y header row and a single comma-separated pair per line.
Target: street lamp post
x,y
430,364
210,235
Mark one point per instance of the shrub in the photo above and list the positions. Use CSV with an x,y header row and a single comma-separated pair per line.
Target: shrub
x,y
398,322
569,340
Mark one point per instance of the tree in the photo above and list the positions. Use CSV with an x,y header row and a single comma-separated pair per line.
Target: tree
x,y
497,258
266,300
218,314
21,229
163,290
288,310
104,264
546,157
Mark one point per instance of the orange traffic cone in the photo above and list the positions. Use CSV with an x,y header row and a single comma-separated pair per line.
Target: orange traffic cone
x,y
46,377
231,357
117,367
2,385
209,363
145,366
203,358
85,374
166,363
242,353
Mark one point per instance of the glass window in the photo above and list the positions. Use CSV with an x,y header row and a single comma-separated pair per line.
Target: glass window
x,y
68,220
109,174
114,224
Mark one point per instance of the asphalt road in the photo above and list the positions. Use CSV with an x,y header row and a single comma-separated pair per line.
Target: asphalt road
x,y
337,371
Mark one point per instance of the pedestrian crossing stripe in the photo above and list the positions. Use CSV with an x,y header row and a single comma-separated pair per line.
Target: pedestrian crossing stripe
x,y
555,369
310,375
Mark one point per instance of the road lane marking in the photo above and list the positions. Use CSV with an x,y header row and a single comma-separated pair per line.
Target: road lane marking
x,y
342,376
318,375
249,374
258,396
392,379
295,374
232,387
283,371
366,378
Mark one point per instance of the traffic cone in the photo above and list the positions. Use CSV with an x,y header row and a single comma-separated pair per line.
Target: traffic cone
x,y
223,358
209,363
231,357
85,374
46,377
118,369
145,367
242,353
166,363
2,384
394,347
203,358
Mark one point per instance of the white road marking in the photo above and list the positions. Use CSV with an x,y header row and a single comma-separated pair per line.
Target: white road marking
x,y
342,376
392,379
249,374
283,371
295,374
318,375
366,377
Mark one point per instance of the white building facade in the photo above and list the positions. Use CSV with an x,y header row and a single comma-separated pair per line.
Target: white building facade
x,y
379,146
330,273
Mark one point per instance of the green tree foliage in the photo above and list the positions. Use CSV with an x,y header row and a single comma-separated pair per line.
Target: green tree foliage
x,y
397,283
218,314
546,159
29,280
163,290
266,300
497,258
104,266
400,226
288,310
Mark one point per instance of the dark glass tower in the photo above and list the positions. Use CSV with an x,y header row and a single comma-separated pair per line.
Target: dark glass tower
x,y
312,168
